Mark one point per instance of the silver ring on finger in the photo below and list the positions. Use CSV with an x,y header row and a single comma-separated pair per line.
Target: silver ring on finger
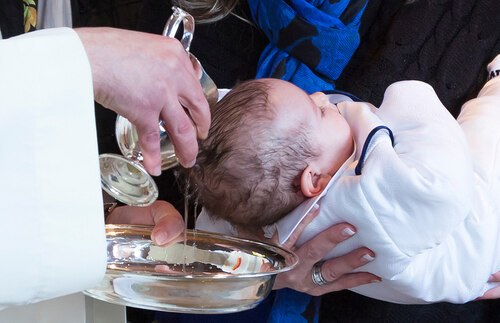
x,y
317,276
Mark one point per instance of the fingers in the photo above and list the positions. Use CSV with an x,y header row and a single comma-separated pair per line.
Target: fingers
x,y
186,118
300,228
334,268
348,280
130,215
181,132
315,249
168,223
494,292
338,272
186,115
195,102
159,84
495,278
180,128
167,220
190,94
149,140
199,111
334,274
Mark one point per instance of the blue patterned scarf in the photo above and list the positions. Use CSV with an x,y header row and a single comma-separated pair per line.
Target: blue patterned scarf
x,y
311,41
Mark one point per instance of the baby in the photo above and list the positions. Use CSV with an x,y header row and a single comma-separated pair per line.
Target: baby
x,y
421,188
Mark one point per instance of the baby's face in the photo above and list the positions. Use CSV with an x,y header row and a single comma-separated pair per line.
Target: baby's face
x,y
326,124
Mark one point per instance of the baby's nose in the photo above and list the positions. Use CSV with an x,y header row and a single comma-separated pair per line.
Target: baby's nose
x,y
319,98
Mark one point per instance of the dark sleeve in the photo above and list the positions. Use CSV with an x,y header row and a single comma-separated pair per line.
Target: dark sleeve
x,y
444,43
11,18
447,44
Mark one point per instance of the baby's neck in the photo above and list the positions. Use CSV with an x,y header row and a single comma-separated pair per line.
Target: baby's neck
x,y
344,156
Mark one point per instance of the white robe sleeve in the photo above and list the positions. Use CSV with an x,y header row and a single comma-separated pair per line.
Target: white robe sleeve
x,y
52,224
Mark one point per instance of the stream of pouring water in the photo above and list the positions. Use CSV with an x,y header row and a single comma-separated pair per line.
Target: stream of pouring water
x,y
187,197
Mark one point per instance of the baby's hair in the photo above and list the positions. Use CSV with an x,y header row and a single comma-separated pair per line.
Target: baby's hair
x,y
247,172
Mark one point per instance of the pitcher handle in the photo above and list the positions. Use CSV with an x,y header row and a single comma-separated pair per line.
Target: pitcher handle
x,y
173,23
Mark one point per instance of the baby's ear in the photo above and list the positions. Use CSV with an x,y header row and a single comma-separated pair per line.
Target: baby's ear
x,y
312,182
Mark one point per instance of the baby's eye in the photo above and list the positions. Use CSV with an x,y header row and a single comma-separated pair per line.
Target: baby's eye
x,y
322,109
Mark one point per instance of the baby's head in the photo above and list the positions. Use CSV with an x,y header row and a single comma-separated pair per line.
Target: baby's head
x,y
270,146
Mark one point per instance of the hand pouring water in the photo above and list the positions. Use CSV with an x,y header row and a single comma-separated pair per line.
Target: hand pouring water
x,y
124,178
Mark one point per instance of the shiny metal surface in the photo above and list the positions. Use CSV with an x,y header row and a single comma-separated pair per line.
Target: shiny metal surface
x,y
208,274
128,142
170,30
126,180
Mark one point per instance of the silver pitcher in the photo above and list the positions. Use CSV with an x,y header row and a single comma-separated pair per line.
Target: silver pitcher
x,y
124,177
